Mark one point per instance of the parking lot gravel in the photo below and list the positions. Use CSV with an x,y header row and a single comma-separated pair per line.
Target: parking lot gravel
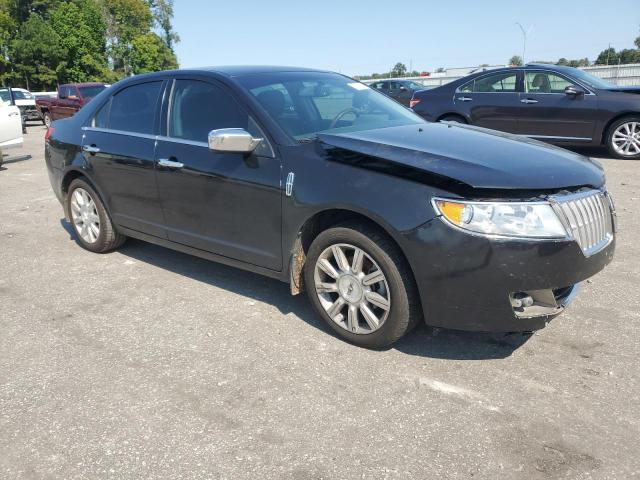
x,y
148,363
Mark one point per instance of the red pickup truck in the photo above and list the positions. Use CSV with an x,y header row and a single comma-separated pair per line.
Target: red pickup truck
x,y
71,98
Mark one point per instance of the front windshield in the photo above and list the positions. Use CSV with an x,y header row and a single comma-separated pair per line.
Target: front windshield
x,y
592,81
307,103
17,95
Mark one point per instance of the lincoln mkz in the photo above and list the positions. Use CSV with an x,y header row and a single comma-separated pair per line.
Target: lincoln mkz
x,y
315,179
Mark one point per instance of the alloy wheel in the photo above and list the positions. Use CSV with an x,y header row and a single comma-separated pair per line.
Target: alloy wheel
x,y
626,139
352,288
84,215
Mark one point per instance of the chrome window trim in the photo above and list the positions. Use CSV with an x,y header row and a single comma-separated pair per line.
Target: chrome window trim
x,y
119,132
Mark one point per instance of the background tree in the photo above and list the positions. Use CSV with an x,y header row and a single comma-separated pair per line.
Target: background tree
x,y
82,31
126,20
149,53
37,54
399,70
162,16
516,60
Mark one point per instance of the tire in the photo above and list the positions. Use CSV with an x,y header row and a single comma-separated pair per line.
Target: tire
x,y
349,293
617,134
107,238
453,118
46,119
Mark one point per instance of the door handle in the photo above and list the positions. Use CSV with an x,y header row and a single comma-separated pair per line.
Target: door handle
x,y
528,100
165,162
92,149
465,99
12,114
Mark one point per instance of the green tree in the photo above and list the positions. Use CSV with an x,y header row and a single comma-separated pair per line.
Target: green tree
x,y
399,70
126,20
36,54
516,60
608,56
150,54
162,16
7,32
82,31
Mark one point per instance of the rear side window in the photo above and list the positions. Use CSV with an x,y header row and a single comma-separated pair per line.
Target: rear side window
x,y
132,109
498,83
199,107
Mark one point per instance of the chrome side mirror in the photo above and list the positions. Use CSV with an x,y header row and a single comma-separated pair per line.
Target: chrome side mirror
x,y
232,140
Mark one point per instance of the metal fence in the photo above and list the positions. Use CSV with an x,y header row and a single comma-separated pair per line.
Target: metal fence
x,y
617,74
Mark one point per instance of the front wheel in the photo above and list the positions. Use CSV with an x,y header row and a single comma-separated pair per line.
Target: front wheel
x,y
46,119
360,284
453,118
623,138
91,223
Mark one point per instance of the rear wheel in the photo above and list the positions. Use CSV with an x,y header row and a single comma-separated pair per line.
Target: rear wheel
x,y
360,284
91,223
46,119
623,138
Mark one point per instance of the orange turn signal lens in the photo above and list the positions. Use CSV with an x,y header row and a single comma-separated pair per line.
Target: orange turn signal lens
x,y
451,210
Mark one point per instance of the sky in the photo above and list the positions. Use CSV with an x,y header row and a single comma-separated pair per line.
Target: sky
x,y
361,37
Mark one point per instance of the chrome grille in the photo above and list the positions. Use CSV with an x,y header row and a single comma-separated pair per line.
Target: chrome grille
x,y
587,217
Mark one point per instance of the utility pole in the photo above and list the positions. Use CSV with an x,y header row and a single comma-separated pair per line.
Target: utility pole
x,y
524,40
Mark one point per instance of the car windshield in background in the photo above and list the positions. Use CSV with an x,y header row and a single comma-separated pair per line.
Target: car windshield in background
x,y
307,103
92,91
591,81
17,95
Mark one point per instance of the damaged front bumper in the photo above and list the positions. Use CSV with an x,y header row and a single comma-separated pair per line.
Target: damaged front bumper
x,y
469,282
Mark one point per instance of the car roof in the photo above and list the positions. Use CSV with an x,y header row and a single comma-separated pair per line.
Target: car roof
x,y
239,70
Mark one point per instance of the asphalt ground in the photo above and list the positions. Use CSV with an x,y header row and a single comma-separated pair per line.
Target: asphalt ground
x,y
146,363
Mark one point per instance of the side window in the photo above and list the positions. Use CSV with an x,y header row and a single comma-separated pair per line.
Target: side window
x,y
545,82
394,86
199,107
466,88
500,82
72,92
134,108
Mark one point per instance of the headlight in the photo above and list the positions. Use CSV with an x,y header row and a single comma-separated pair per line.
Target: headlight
x,y
508,219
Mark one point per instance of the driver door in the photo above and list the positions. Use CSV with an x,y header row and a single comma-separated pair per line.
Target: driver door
x,y
226,203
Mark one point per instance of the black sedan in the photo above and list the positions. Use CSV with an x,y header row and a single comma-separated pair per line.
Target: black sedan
x,y
400,90
317,180
556,104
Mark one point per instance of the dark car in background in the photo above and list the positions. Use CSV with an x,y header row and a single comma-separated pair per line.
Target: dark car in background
x,y
556,104
317,180
71,98
400,90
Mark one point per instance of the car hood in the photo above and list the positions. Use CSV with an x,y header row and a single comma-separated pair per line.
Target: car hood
x,y
473,156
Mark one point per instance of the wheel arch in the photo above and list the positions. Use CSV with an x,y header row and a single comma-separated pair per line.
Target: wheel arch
x,y
321,221
69,177
452,114
607,126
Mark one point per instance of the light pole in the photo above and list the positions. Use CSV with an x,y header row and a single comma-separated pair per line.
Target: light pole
x,y
524,40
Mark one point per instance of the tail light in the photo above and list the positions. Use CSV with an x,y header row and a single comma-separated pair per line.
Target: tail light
x,y
47,135
413,102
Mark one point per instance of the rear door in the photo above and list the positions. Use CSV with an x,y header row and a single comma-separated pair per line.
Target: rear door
x,y
491,100
221,202
10,125
546,112
119,146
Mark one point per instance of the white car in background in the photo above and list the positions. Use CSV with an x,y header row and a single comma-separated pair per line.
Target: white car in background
x,y
10,127
24,100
